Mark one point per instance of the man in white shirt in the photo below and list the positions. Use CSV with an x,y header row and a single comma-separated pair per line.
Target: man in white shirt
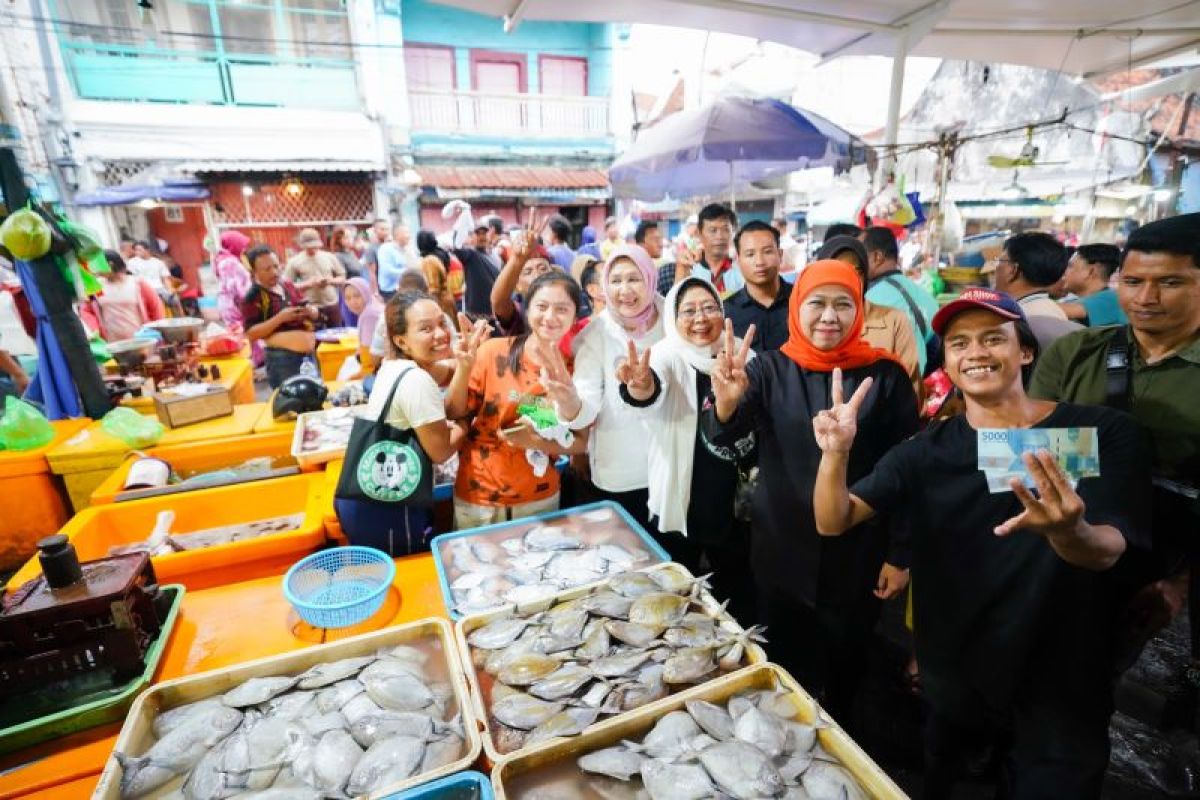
x,y
1026,268
155,273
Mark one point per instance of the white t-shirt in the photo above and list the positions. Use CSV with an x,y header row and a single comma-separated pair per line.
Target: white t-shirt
x,y
152,270
418,401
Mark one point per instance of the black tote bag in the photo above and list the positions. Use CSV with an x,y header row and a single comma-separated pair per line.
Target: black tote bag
x,y
385,464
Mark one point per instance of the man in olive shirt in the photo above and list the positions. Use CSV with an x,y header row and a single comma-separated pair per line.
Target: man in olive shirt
x,y
1151,368
319,275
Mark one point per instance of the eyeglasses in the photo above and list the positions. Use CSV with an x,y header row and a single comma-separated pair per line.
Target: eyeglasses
x,y
1002,260
705,310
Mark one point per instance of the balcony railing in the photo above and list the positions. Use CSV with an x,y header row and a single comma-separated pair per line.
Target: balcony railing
x,y
525,114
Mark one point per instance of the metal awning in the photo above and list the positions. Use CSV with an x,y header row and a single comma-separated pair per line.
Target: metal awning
x,y
1082,37
243,165
503,179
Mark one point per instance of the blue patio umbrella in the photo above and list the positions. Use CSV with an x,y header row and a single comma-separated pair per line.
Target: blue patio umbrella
x,y
167,190
732,142
52,385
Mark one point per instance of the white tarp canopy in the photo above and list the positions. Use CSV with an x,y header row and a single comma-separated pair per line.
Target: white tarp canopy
x,y
1080,37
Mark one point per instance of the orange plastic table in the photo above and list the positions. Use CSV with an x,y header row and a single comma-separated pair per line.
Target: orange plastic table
x,y
217,627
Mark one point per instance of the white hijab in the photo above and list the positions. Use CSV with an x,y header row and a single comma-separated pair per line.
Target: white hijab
x,y
701,358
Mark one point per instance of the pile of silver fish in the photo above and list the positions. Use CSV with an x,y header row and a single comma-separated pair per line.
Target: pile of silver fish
x,y
541,561
623,645
160,542
328,429
340,729
751,747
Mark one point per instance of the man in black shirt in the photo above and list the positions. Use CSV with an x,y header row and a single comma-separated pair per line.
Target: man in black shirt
x,y
480,271
1013,600
763,301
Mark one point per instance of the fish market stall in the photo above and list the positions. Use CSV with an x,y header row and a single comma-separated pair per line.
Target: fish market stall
x,y
322,436
26,474
334,346
754,732
253,529
198,464
85,459
234,374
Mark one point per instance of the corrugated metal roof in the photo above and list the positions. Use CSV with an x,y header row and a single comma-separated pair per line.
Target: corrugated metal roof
x,y
472,177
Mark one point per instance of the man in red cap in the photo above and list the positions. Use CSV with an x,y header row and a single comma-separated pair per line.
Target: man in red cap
x,y
1012,600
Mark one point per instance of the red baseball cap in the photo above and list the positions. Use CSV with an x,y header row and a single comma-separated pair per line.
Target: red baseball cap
x,y
977,297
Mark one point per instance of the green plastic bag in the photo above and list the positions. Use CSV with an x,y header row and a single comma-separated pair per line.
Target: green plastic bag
x,y
23,427
132,428
25,234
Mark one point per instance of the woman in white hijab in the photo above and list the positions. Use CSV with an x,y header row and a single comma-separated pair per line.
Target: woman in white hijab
x,y
692,482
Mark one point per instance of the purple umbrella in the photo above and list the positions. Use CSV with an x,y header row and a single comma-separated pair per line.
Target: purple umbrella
x,y
734,141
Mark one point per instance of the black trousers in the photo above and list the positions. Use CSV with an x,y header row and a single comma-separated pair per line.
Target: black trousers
x,y
824,646
1047,750
634,502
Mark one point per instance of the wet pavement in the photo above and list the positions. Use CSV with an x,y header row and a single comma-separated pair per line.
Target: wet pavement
x,y
1154,755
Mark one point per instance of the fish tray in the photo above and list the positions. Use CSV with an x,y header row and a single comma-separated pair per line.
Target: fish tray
x,y
461,786
633,725
481,708
625,532
94,530
136,735
99,706
312,459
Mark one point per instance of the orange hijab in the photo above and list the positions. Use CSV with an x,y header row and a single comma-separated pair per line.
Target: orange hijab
x,y
852,351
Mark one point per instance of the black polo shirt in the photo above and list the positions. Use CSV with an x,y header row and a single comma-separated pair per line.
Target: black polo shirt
x,y
771,324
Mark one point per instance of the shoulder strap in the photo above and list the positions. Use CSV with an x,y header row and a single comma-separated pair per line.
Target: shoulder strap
x,y
911,303
1117,380
387,405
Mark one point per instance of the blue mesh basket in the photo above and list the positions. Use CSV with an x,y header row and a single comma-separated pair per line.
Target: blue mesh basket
x,y
340,587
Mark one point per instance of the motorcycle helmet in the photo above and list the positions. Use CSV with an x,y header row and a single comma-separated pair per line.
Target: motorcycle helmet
x,y
297,395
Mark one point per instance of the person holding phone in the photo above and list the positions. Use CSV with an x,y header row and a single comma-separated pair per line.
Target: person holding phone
x,y
275,313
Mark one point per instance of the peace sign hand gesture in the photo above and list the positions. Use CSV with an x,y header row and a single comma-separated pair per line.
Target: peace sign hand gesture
x,y
470,336
1056,512
729,381
556,380
527,243
835,427
634,371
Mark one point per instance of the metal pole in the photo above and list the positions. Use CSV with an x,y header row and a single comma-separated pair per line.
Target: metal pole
x,y
891,130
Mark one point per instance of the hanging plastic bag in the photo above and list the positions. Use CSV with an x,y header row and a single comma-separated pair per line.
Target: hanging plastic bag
x,y
132,428
23,427
26,234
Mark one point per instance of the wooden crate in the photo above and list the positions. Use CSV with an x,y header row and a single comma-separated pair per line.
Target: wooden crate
x,y
175,411
463,628
136,736
633,725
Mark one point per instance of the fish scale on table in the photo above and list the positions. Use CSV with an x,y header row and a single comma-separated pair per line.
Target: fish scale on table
x,y
586,655
368,722
540,560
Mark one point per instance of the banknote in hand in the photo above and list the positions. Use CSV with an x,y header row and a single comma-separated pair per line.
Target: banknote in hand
x,y
1000,449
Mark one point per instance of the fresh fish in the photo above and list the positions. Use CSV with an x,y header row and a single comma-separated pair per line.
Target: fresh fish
x,y
370,729
633,584
825,781
486,552
549,537
404,652
569,624
792,766
532,561
513,547
715,720
207,780
607,788
530,592
742,770
386,762
690,633
265,744
499,632
321,723
509,739
293,705
596,641
177,752
763,731
523,711
360,706
738,705
528,668
568,722
605,603
399,692
257,690
335,697
688,665
390,668
619,664
616,762
800,737
170,719
661,608
320,675
335,758
667,781
618,557
669,737
440,752
633,633
594,696
670,580
564,682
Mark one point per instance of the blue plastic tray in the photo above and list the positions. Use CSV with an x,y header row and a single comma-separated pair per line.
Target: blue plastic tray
x,y
459,786
657,554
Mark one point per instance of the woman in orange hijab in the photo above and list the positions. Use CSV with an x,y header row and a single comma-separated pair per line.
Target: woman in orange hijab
x,y
819,599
